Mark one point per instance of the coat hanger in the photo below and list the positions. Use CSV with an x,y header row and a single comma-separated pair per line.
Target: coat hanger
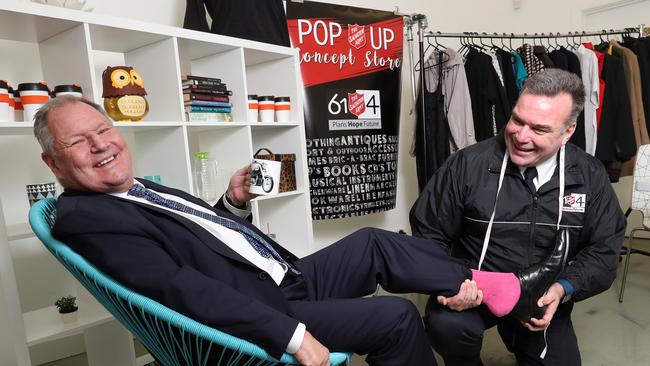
x,y
503,44
551,44
438,45
566,41
463,45
442,56
576,44
601,36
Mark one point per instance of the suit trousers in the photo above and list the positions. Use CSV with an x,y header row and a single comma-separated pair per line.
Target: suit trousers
x,y
458,336
386,328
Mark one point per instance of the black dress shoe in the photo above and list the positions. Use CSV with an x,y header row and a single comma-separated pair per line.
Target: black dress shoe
x,y
536,280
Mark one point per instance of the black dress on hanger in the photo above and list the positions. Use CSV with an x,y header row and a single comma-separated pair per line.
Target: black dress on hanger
x,y
257,20
437,131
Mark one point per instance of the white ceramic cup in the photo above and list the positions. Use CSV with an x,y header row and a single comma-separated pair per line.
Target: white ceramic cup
x,y
265,177
4,102
33,96
266,105
18,107
282,109
252,108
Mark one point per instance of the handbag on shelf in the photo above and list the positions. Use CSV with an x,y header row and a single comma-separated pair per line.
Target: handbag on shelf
x,y
287,170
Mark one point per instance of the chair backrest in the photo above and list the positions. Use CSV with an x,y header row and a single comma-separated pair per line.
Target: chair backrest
x,y
171,337
641,181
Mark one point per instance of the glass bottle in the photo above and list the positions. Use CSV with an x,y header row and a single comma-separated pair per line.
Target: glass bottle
x,y
205,176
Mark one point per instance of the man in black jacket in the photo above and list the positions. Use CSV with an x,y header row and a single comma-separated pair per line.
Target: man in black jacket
x,y
496,205
217,268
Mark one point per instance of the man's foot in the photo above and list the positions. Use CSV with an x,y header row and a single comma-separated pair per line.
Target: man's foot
x,y
536,280
517,294
501,291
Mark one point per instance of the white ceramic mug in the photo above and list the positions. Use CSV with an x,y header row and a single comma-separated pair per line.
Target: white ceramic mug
x,y
265,177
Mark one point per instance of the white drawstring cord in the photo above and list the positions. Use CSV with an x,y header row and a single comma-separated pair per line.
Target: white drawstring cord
x,y
486,239
559,218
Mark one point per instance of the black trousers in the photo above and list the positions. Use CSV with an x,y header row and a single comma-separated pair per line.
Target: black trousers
x,y
458,336
386,328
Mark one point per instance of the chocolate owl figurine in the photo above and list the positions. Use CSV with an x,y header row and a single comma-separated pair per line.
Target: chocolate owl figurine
x,y
124,94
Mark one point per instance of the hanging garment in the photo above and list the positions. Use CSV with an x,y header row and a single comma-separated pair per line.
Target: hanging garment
x,y
559,59
601,62
257,20
641,49
532,63
633,81
616,142
520,70
507,60
489,102
457,102
495,63
589,66
432,142
573,63
542,55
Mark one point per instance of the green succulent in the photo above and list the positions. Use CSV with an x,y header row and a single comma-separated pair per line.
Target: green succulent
x,y
66,304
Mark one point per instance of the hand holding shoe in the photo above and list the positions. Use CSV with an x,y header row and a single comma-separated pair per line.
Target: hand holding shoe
x,y
551,300
536,280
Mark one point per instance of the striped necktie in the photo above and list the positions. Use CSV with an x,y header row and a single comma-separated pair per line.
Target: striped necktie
x,y
255,240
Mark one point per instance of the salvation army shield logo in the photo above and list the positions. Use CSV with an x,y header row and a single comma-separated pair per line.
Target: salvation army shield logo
x,y
356,35
357,103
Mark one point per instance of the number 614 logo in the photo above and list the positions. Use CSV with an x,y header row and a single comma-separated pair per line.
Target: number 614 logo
x,y
364,104
575,202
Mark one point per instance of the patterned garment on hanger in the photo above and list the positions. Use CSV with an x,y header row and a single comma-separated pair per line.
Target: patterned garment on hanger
x,y
531,62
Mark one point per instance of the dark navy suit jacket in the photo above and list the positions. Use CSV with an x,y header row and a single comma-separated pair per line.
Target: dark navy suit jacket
x,y
176,262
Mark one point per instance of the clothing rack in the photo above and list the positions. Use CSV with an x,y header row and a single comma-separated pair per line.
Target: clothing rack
x,y
419,22
638,30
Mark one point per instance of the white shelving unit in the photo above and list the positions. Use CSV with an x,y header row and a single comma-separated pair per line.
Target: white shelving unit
x,y
63,46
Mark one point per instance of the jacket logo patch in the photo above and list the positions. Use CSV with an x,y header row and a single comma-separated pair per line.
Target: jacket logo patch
x,y
575,202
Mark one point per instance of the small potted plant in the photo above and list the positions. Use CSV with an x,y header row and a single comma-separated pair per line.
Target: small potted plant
x,y
67,308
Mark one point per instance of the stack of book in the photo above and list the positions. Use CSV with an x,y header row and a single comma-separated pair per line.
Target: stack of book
x,y
206,99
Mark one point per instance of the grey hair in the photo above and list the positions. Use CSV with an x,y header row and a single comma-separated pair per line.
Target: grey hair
x,y
551,82
41,128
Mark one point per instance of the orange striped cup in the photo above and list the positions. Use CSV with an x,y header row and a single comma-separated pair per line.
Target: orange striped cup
x,y
252,107
282,109
266,105
4,101
33,96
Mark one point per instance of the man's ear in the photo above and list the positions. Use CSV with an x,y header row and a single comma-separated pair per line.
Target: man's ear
x,y
49,161
568,133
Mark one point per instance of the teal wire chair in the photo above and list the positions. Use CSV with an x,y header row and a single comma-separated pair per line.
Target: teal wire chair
x,y
172,338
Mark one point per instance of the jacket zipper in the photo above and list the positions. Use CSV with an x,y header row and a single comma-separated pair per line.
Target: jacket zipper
x,y
533,220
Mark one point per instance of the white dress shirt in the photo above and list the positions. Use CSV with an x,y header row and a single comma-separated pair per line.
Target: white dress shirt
x,y
545,171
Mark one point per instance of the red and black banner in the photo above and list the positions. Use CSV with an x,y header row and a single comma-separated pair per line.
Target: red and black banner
x,y
350,60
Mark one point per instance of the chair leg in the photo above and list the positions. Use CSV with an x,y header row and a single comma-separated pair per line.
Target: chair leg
x,y
627,265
